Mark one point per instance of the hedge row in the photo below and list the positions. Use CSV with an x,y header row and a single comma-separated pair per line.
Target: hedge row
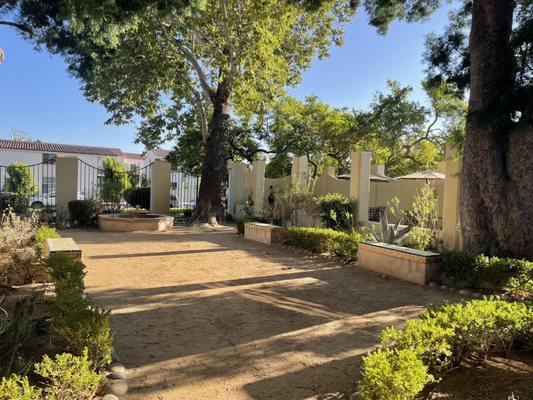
x,y
494,271
73,316
320,240
430,346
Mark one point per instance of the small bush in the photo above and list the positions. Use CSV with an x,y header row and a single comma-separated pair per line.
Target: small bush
x,y
67,272
393,375
17,203
18,388
73,317
319,240
138,197
337,211
496,271
439,340
83,212
68,377
44,232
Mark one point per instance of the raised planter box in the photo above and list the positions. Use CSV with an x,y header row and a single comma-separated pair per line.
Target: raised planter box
x,y
264,233
400,262
124,223
63,245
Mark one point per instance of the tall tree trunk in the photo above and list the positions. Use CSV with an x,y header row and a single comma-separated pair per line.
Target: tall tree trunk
x,y
497,173
211,199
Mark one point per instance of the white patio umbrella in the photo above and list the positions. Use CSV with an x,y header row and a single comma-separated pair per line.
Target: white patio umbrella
x,y
426,175
373,178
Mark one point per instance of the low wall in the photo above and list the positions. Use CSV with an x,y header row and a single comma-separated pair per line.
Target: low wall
x,y
411,265
264,233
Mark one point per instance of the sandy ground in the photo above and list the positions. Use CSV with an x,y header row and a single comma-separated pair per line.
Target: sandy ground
x,y
203,314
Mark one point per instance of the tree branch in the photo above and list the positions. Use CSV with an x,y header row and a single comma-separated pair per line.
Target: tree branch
x,y
229,41
21,27
189,56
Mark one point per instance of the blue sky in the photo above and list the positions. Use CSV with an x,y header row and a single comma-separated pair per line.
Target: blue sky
x,y
37,95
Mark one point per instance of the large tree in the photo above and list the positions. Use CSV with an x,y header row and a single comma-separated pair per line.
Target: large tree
x,y
158,61
487,49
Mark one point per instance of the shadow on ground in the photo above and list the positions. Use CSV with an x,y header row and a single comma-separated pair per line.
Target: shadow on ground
x,y
204,315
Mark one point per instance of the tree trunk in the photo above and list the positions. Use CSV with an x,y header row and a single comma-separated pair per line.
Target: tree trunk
x,y
211,199
497,173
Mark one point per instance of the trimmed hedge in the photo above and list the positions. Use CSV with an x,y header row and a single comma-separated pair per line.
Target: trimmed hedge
x,y
495,271
430,346
337,211
138,197
84,212
324,240
73,316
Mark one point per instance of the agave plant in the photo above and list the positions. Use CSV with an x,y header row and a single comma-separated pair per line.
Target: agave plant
x,y
389,234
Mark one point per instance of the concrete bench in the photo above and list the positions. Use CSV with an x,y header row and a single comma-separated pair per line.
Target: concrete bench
x,y
264,233
400,262
63,245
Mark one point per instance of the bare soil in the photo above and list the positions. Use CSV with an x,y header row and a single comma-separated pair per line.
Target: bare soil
x,y
496,379
206,314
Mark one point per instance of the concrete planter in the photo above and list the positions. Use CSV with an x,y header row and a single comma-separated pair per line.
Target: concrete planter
x,y
264,233
123,223
400,262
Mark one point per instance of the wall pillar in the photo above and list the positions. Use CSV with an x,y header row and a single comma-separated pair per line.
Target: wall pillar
x,y
160,188
300,170
237,187
451,230
258,186
360,182
66,181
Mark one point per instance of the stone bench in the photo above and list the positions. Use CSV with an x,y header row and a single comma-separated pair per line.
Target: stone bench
x,y
63,245
264,233
400,262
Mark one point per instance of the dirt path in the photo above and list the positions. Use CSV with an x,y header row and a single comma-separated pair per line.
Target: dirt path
x,y
205,315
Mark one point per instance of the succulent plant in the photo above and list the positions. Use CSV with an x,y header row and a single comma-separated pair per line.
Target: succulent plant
x,y
389,234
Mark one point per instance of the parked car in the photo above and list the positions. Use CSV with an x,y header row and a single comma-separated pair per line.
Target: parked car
x,y
48,200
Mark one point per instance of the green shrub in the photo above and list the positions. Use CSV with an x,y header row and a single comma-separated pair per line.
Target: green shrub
x,y
320,240
18,388
439,340
44,232
337,211
68,377
17,203
393,375
67,272
83,212
73,317
83,326
498,272
138,197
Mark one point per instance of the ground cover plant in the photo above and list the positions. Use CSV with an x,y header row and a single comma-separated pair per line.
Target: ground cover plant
x,y
489,272
442,338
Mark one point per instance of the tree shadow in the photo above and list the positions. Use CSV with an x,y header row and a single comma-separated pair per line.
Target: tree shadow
x,y
290,331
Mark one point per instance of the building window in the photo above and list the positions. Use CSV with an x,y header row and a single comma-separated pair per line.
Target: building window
x,y
173,185
49,184
49,158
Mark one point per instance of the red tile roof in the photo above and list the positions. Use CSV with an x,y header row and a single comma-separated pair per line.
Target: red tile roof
x,y
59,148
133,156
161,152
